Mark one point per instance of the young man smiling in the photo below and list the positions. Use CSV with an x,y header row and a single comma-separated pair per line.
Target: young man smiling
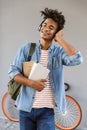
x,y
38,98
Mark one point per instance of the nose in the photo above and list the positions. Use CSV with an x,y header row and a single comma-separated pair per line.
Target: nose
x,y
46,29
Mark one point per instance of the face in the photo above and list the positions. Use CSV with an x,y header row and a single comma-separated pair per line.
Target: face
x,y
48,29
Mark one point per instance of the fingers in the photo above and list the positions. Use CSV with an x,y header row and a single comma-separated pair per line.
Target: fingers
x,y
39,85
43,80
58,35
61,32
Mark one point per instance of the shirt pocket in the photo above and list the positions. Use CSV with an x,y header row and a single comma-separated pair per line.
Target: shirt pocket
x,y
56,62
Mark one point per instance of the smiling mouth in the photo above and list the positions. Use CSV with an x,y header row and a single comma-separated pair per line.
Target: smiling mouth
x,y
45,33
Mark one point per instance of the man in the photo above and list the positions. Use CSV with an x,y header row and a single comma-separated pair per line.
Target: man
x,y
38,98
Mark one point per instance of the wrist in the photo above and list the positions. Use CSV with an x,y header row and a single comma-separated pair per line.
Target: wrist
x,y
30,82
59,39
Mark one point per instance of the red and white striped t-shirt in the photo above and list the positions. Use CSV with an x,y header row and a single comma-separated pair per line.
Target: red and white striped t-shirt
x,y
45,97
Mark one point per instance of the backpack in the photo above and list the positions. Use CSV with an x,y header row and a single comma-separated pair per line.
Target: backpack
x,y
13,86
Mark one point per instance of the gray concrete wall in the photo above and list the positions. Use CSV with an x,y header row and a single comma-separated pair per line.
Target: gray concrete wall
x,y
19,21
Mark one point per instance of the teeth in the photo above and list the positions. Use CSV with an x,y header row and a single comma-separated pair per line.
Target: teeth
x,y
47,33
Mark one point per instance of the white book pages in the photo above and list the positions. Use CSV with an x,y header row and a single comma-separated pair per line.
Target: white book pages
x,y
38,71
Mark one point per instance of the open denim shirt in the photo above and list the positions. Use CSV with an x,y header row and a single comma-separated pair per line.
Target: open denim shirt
x,y
57,57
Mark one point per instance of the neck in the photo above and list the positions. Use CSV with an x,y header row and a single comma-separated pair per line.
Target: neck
x,y
45,44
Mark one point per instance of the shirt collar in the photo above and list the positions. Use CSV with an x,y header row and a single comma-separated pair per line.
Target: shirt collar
x,y
50,48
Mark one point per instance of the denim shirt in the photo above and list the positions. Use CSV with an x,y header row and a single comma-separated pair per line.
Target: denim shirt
x,y
57,57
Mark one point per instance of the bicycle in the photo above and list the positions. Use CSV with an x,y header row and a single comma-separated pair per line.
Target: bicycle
x,y
67,121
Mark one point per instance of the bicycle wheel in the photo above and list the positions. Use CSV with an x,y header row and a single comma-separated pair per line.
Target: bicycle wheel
x,y
9,108
71,118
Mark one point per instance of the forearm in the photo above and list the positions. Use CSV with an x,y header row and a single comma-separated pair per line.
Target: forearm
x,y
67,47
22,80
37,85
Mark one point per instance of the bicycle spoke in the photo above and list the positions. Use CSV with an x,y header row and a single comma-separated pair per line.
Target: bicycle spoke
x,y
72,116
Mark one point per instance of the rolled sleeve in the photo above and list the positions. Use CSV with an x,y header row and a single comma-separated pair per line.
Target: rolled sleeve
x,y
13,71
73,60
16,66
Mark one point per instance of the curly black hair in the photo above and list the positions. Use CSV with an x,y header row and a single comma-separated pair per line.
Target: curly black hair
x,y
55,15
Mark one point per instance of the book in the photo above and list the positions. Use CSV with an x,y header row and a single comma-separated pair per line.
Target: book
x,y
38,71
27,66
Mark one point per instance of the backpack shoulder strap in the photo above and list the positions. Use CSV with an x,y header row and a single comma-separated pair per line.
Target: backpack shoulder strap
x,y
31,51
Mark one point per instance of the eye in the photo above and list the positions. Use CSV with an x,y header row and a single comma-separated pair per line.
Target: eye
x,y
51,28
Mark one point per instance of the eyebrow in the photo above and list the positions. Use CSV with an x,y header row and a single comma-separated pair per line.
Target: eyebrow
x,y
50,25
